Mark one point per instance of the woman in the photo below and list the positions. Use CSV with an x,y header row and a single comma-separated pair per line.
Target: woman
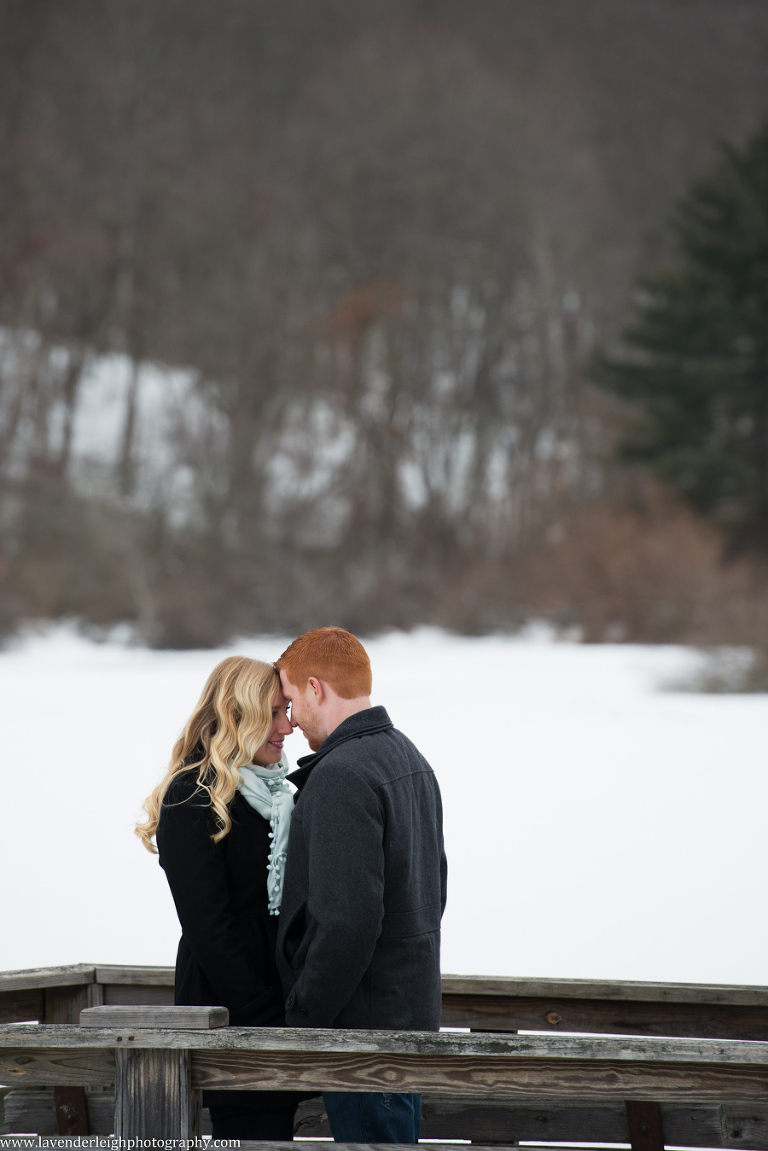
x,y
221,817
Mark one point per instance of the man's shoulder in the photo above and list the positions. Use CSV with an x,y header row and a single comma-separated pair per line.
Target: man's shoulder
x,y
375,756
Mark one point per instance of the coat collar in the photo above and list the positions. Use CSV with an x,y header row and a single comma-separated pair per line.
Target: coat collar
x,y
366,722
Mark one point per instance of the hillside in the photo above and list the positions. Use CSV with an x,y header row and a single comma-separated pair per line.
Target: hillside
x,y
381,241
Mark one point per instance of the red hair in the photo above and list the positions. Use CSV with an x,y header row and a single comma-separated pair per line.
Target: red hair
x,y
331,654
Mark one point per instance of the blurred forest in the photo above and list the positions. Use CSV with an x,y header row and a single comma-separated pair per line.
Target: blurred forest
x,y
297,302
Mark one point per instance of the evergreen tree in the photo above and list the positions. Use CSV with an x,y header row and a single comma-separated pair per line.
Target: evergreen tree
x,y
695,360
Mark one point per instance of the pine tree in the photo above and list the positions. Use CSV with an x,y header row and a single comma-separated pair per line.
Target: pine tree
x,y
695,360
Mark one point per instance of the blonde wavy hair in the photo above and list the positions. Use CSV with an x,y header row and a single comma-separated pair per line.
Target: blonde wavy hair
x,y
230,723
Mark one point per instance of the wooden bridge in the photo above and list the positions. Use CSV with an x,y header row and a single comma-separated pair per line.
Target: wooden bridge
x,y
654,1064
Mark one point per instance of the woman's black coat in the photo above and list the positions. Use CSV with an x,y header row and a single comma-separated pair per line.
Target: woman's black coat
x,y
226,955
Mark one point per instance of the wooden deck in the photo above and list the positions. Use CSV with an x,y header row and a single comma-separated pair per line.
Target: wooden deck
x,y
662,1064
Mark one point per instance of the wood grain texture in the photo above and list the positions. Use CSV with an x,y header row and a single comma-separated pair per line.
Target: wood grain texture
x,y
558,1120
500,1067
684,1020
54,1067
489,1078
704,993
21,1006
310,1145
138,976
252,1145
153,1095
477,985
182,1018
310,1040
123,994
64,1004
479,1120
33,1109
94,995
476,1119
31,977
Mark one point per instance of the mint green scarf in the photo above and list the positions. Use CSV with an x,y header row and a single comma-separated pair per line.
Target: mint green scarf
x,y
268,792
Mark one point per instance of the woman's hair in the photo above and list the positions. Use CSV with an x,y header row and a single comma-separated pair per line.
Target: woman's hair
x,y
230,723
332,654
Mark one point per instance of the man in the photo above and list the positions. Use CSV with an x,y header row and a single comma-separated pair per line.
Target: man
x,y
359,938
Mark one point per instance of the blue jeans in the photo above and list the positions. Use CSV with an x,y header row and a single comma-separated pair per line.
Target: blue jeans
x,y
373,1116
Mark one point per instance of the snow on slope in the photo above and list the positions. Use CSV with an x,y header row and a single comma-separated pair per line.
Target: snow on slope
x,y
596,827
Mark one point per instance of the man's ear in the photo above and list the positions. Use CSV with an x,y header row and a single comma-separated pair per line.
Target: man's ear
x,y
317,687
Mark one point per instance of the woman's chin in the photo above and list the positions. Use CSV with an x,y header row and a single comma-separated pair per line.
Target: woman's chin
x,y
269,758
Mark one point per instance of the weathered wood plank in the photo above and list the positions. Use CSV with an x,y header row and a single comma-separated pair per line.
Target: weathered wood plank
x,y
56,1066
94,995
251,1145
704,993
479,1076
459,1064
485,1012
125,994
557,1120
153,1095
141,976
195,1018
613,1017
22,1005
479,1120
64,1004
310,1040
30,1109
32,977
311,1145
474,985
34,1109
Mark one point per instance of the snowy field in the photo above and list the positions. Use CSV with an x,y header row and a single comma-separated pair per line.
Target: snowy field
x,y
596,826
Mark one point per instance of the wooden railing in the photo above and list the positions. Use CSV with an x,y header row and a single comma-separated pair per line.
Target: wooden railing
x,y
692,1072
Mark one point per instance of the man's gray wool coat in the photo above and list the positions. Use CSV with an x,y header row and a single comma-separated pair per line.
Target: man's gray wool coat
x,y
359,934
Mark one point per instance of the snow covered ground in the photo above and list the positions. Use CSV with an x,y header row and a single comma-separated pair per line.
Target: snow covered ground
x,y
596,826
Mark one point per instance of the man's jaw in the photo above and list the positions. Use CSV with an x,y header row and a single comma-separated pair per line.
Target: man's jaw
x,y
312,736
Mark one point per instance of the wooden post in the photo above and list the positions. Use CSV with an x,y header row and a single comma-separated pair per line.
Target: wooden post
x,y
71,1111
504,1140
154,1096
645,1129
63,1005
153,1087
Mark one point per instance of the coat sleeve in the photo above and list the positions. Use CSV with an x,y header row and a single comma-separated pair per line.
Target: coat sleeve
x,y
196,872
343,830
